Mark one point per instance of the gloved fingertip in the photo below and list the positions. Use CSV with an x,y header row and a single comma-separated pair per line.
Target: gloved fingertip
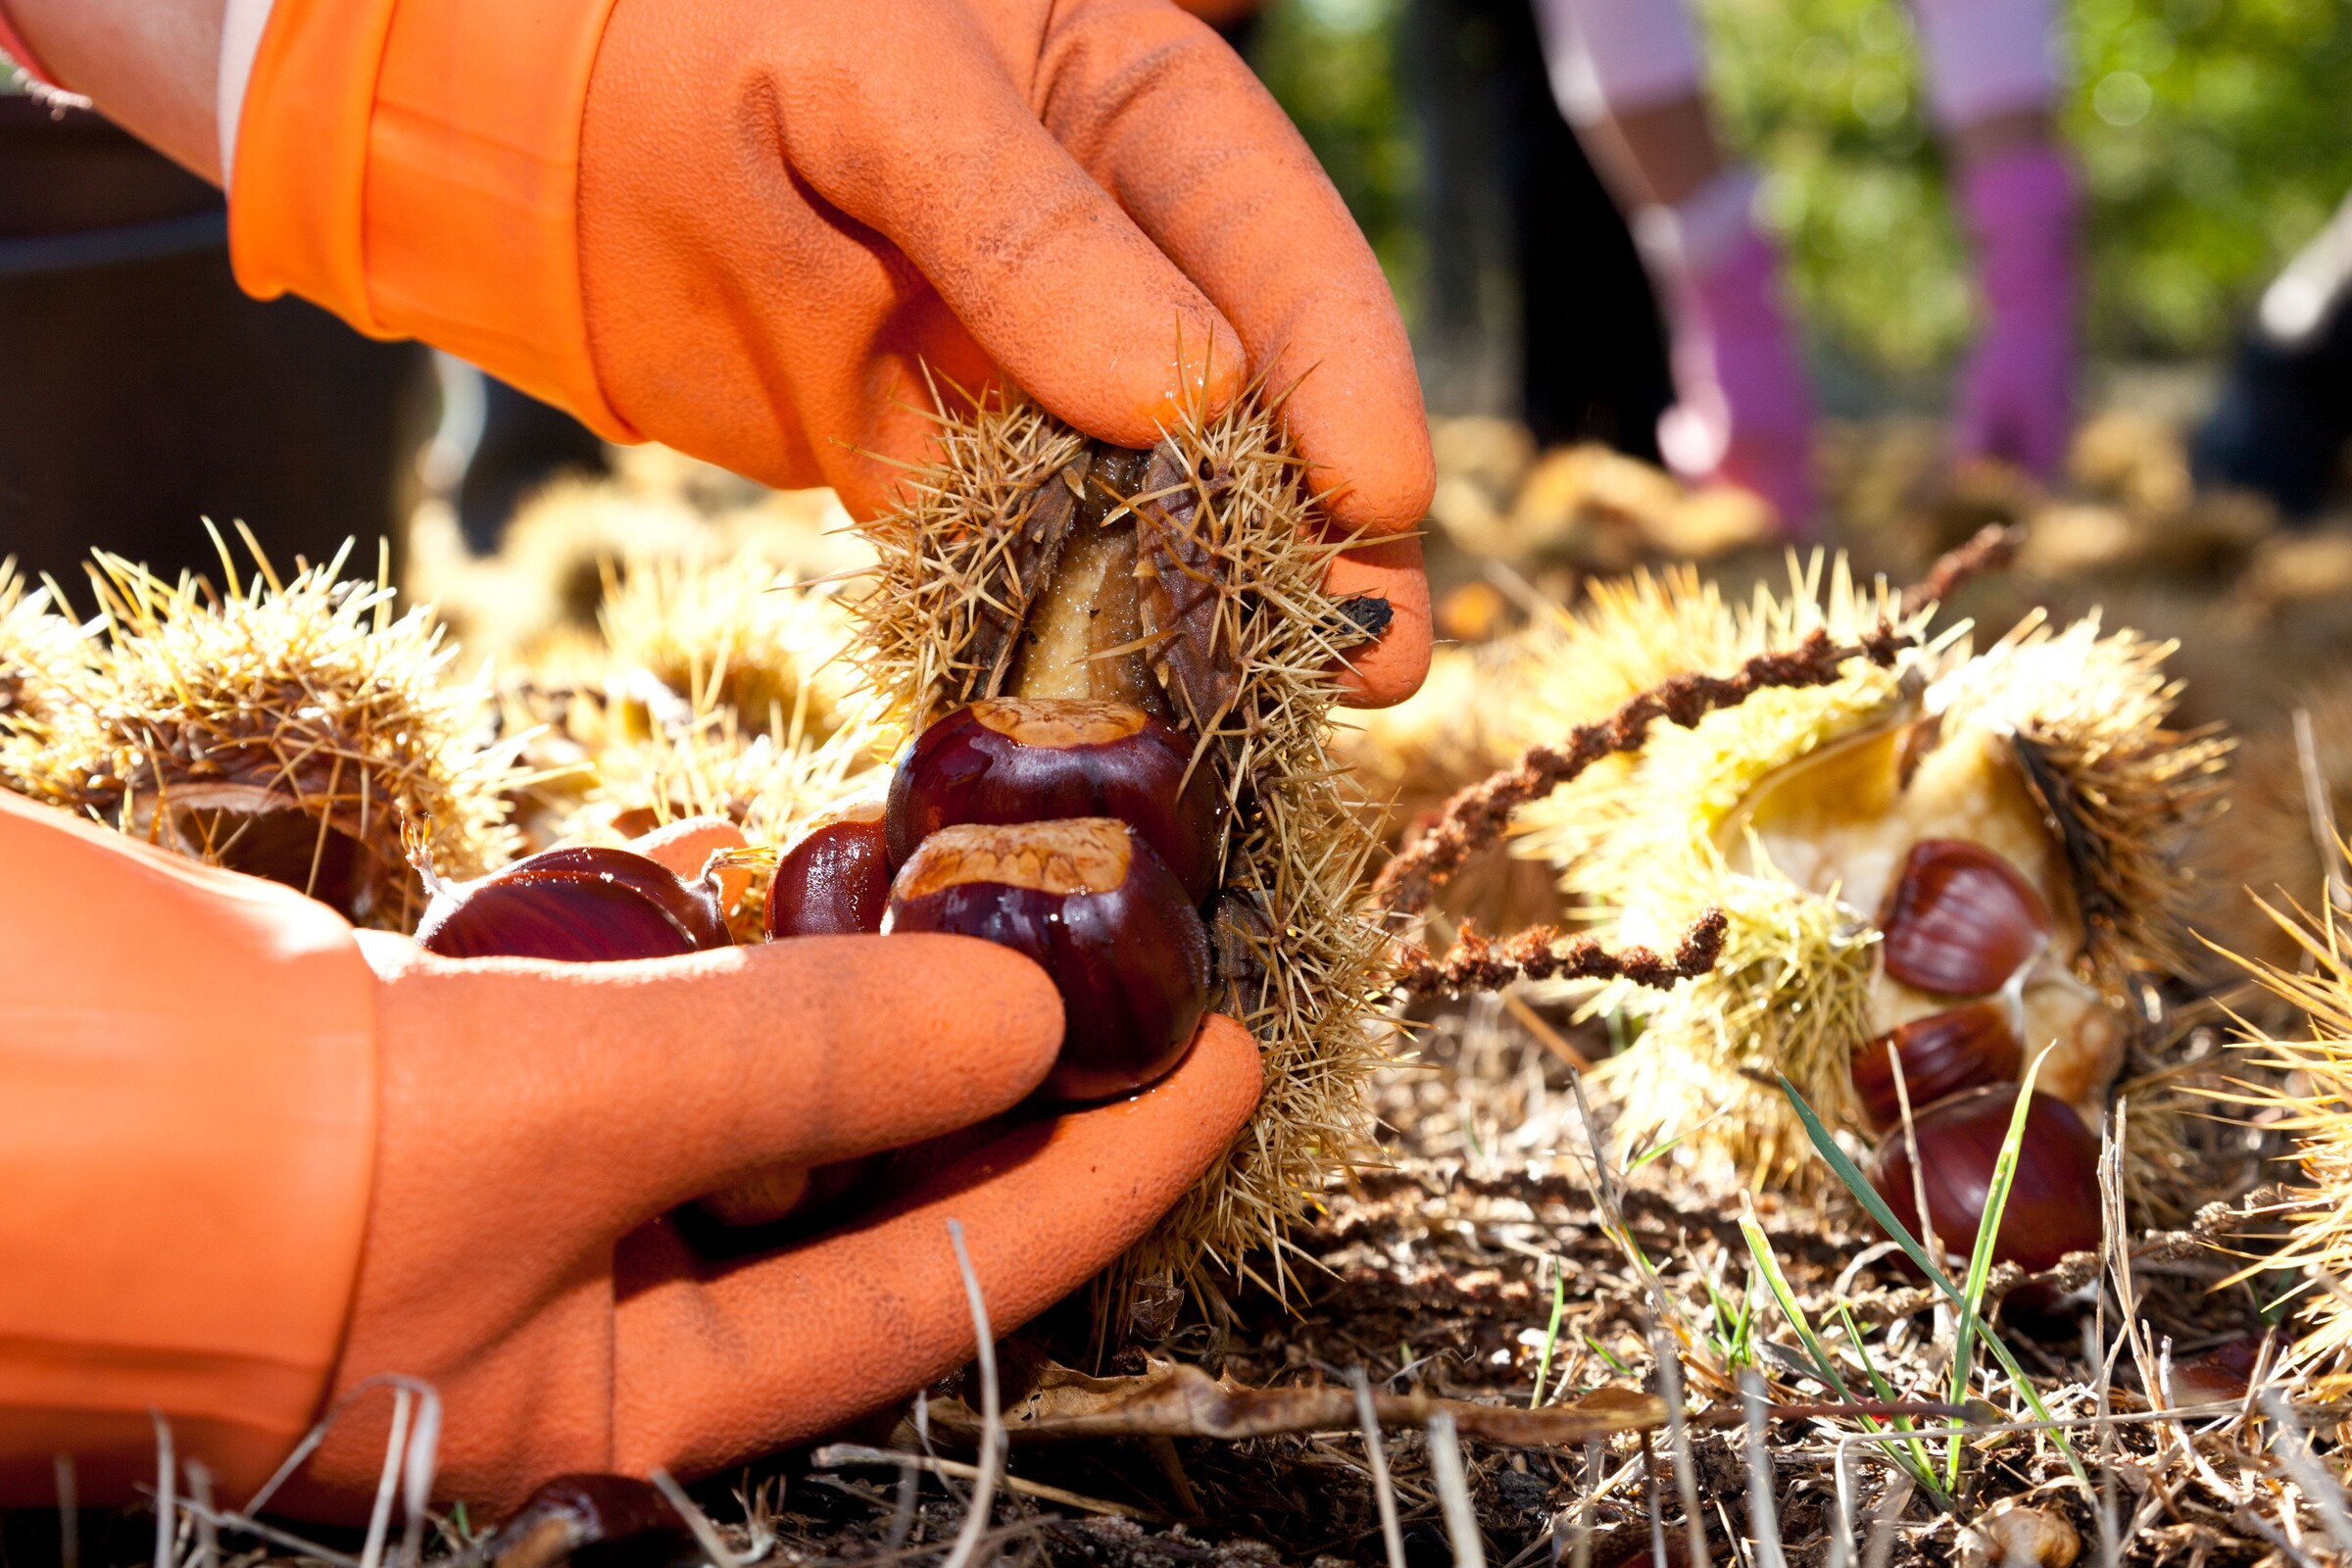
x,y
1378,494
1386,671
1228,1073
1013,1017
1199,377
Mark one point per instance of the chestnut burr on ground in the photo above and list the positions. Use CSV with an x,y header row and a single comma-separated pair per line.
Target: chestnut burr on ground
x,y
1941,870
1185,582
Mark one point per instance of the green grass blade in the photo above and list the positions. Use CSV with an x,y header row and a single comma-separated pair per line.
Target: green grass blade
x,y
1980,1257
1923,1469
1759,1246
1602,1351
1857,1184
1551,1335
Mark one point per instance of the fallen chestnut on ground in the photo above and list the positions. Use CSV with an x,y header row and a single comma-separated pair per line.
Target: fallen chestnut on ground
x,y
835,880
1941,1053
1032,760
1961,920
1092,904
581,905
2053,1205
611,1521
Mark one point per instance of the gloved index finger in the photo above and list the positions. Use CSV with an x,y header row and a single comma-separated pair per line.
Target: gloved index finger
x,y
937,149
620,1090
1158,109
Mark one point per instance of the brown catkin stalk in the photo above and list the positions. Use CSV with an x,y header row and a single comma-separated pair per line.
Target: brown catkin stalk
x,y
1545,953
1477,816
1989,549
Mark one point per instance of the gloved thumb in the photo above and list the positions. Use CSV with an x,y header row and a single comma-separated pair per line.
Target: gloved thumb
x,y
609,1093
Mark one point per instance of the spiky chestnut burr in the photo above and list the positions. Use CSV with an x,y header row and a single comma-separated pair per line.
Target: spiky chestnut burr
x,y
1191,582
581,905
1089,902
835,879
2053,1207
1036,758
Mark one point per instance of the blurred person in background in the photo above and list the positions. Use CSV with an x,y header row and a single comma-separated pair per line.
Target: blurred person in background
x,y
2285,415
1627,73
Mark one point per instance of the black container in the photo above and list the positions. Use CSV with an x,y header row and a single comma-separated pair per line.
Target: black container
x,y
144,392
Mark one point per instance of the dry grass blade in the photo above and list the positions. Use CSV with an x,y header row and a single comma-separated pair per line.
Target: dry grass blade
x,y
166,1480
841,1455
379,1517
698,1523
992,1430
1376,1459
69,1511
208,1535
2320,805
1686,1470
1453,1493
1763,1518
1885,1518
2293,1452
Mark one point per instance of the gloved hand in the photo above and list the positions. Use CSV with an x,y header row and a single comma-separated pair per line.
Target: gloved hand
x,y
247,1160
751,230
539,1121
1743,412
2017,395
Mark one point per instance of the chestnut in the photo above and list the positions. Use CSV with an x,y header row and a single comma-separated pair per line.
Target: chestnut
x,y
580,905
1091,902
611,1521
1035,758
2053,1200
1942,1054
1961,920
835,879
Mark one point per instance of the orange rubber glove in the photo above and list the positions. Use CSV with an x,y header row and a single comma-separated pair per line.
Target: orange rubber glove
x,y
746,230
248,1158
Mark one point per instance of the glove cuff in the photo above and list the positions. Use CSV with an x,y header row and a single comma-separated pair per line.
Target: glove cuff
x,y
413,166
187,1142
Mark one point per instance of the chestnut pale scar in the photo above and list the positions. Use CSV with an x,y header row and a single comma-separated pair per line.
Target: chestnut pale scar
x,y
1077,854
1069,721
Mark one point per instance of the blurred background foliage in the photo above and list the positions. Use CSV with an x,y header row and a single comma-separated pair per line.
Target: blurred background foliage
x,y
2212,136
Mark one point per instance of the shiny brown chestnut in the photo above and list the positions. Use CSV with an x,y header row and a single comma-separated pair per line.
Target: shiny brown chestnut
x,y
835,879
1961,920
1034,760
580,905
1091,902
2053,1205
1941,1053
